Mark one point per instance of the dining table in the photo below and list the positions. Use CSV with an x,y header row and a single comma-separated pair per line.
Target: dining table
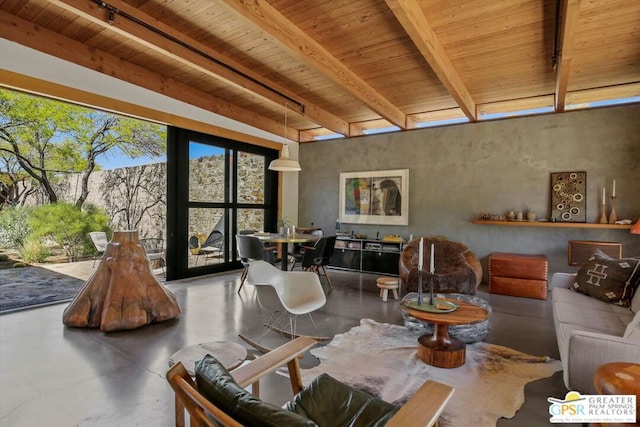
x,y
284,241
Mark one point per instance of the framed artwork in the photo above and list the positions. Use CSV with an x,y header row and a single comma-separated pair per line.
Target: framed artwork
x,y
569,196
375,197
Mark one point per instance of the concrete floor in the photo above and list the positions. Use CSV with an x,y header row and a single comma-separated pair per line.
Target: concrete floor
x,y
58,376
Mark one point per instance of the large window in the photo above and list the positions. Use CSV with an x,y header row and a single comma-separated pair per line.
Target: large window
x,y
217,187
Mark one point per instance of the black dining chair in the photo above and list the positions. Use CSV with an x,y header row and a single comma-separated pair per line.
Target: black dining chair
x,y
299,248
250,249
317,258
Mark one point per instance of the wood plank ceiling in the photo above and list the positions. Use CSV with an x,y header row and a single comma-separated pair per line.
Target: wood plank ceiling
x,y
345,67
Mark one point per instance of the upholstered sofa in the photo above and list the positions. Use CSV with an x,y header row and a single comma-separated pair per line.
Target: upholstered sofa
x,y
592,332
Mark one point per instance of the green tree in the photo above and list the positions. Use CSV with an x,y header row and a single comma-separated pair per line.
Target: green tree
x,y
68,226
49,139
14,227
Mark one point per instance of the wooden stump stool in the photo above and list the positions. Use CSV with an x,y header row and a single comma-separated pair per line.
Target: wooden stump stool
x,y
386,283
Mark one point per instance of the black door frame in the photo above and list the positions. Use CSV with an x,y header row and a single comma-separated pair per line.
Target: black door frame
x,y
178,203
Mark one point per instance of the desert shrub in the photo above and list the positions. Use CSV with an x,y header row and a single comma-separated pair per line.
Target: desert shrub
x,y
68,226
14,226
34,251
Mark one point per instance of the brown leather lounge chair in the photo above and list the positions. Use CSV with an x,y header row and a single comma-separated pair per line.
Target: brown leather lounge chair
x,y
220,395
457,270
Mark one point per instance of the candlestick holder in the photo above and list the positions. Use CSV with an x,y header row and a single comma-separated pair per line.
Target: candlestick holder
x,y
420,296
431,303
603,215
613,217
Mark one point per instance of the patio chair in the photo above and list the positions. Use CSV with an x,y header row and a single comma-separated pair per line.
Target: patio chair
x,y
218,397
155,250
214,245
99,239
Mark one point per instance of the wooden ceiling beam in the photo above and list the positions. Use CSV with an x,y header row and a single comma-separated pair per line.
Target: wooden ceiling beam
x,y
569,13
221,67
28,84
268,19
415,23
28,34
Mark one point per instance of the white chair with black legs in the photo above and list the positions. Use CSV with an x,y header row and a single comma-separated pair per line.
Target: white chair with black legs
x,y
288,293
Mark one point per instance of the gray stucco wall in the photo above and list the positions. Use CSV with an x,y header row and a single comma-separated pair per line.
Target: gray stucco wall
x,y
458,172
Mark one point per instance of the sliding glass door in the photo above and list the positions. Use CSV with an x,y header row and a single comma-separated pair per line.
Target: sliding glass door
x,y
217,187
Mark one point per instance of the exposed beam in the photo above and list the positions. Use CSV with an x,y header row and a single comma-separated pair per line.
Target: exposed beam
x,y
264,16
29,84
28,34
569,13
415,23
187,51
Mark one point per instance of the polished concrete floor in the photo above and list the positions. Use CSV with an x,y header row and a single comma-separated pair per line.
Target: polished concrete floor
x,y
58,376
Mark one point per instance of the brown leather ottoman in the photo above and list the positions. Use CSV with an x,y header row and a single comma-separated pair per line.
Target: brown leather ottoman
x,y
518,275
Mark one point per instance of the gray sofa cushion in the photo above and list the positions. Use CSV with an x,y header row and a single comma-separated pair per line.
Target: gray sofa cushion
x,y
632,333
589,313
635,302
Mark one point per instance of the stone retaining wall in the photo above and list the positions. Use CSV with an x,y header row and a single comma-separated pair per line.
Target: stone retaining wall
x,y
135,197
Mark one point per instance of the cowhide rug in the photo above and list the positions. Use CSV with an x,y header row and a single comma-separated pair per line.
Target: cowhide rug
x,y
380,359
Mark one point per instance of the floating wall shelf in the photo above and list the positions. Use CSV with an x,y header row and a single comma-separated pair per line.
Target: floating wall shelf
x,y
553,224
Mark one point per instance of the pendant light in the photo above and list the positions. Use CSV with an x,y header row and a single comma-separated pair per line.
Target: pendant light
x,y
284,163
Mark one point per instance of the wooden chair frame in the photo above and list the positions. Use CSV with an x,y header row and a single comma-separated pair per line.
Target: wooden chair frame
x,y
423,409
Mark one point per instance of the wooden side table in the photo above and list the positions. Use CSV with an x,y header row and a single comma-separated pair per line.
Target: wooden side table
x,y
440,349
230,354
619,378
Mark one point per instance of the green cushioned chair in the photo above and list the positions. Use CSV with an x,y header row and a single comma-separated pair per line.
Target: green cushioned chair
x,y
218,397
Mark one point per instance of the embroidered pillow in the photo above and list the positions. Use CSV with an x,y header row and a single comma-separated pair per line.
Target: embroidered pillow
x,y
607,279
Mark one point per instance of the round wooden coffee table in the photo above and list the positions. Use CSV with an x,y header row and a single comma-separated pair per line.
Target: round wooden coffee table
x,y
440,349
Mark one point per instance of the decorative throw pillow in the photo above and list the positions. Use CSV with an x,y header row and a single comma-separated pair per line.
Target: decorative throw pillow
x,y
607,279
217,385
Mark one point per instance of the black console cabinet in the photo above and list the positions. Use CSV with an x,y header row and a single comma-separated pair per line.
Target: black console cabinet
x,y
367,255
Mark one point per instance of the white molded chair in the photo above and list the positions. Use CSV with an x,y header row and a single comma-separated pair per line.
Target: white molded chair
x,y
288,293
